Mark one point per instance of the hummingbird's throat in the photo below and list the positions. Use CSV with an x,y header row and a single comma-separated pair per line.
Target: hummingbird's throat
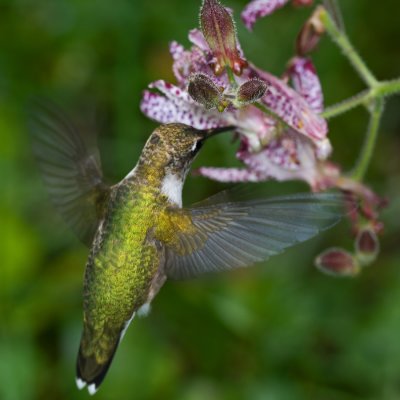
x,y
171,187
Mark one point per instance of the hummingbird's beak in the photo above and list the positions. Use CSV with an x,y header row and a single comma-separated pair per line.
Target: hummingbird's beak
x,y
215,131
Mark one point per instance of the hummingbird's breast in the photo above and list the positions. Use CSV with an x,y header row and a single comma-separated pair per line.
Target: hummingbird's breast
x,y
124,259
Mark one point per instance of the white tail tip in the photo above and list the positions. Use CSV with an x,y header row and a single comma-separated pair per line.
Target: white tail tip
x,y
92,389
80,383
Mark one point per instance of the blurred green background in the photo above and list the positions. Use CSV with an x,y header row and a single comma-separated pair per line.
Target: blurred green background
x,y
277,331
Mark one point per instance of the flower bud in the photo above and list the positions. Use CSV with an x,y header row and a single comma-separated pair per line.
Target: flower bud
x,y
310,34
219,31
203,90
251,91
367,246
337,262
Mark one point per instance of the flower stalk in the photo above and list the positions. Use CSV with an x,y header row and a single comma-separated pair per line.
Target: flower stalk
x,y
381,90
372,98
347,48
370,141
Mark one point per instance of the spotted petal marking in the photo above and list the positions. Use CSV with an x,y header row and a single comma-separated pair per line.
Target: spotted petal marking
x,y
285,158
229,174
292,108
306,82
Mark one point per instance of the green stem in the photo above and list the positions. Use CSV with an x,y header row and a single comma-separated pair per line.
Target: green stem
x,y
373,98
347,48
381,90
231,76
346,105
388,88
370,141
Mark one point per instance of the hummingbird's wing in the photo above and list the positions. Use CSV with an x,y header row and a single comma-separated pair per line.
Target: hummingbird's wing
x,y
71,171
220,234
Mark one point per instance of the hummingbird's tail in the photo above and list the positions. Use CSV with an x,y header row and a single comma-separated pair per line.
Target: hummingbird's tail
x,y
91,373
95,356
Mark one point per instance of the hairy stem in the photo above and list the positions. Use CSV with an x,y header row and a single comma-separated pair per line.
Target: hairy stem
x,y
382,89
370,140
347,48
346,105
388,88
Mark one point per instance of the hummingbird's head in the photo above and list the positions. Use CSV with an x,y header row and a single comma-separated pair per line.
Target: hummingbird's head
x,y
173,147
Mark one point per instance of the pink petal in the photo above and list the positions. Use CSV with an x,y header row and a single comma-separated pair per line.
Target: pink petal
x,y
175,105
257,127
289,157
186,62
228,174
197,59
176,50
292,108
260,8
306,82
197,38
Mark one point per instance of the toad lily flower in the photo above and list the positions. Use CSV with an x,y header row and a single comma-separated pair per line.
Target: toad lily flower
x,y
277,120
295,151
282,137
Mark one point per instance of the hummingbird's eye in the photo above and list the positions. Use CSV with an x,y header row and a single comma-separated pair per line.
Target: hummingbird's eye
x,y
196,147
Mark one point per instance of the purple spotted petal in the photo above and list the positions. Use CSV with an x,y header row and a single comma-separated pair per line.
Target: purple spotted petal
x,y
181,64
289,157
176,50
197,59
175,105
187,62
306,82
229,174
292,108
260,8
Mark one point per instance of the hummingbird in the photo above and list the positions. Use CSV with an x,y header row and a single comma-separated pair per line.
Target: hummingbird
x,y
139,233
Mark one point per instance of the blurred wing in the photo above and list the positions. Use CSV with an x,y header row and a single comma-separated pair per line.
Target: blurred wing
x,y
229,235
71,173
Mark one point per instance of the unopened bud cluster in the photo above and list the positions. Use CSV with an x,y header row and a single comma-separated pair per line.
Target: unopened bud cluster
x,y
205,91
339,262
